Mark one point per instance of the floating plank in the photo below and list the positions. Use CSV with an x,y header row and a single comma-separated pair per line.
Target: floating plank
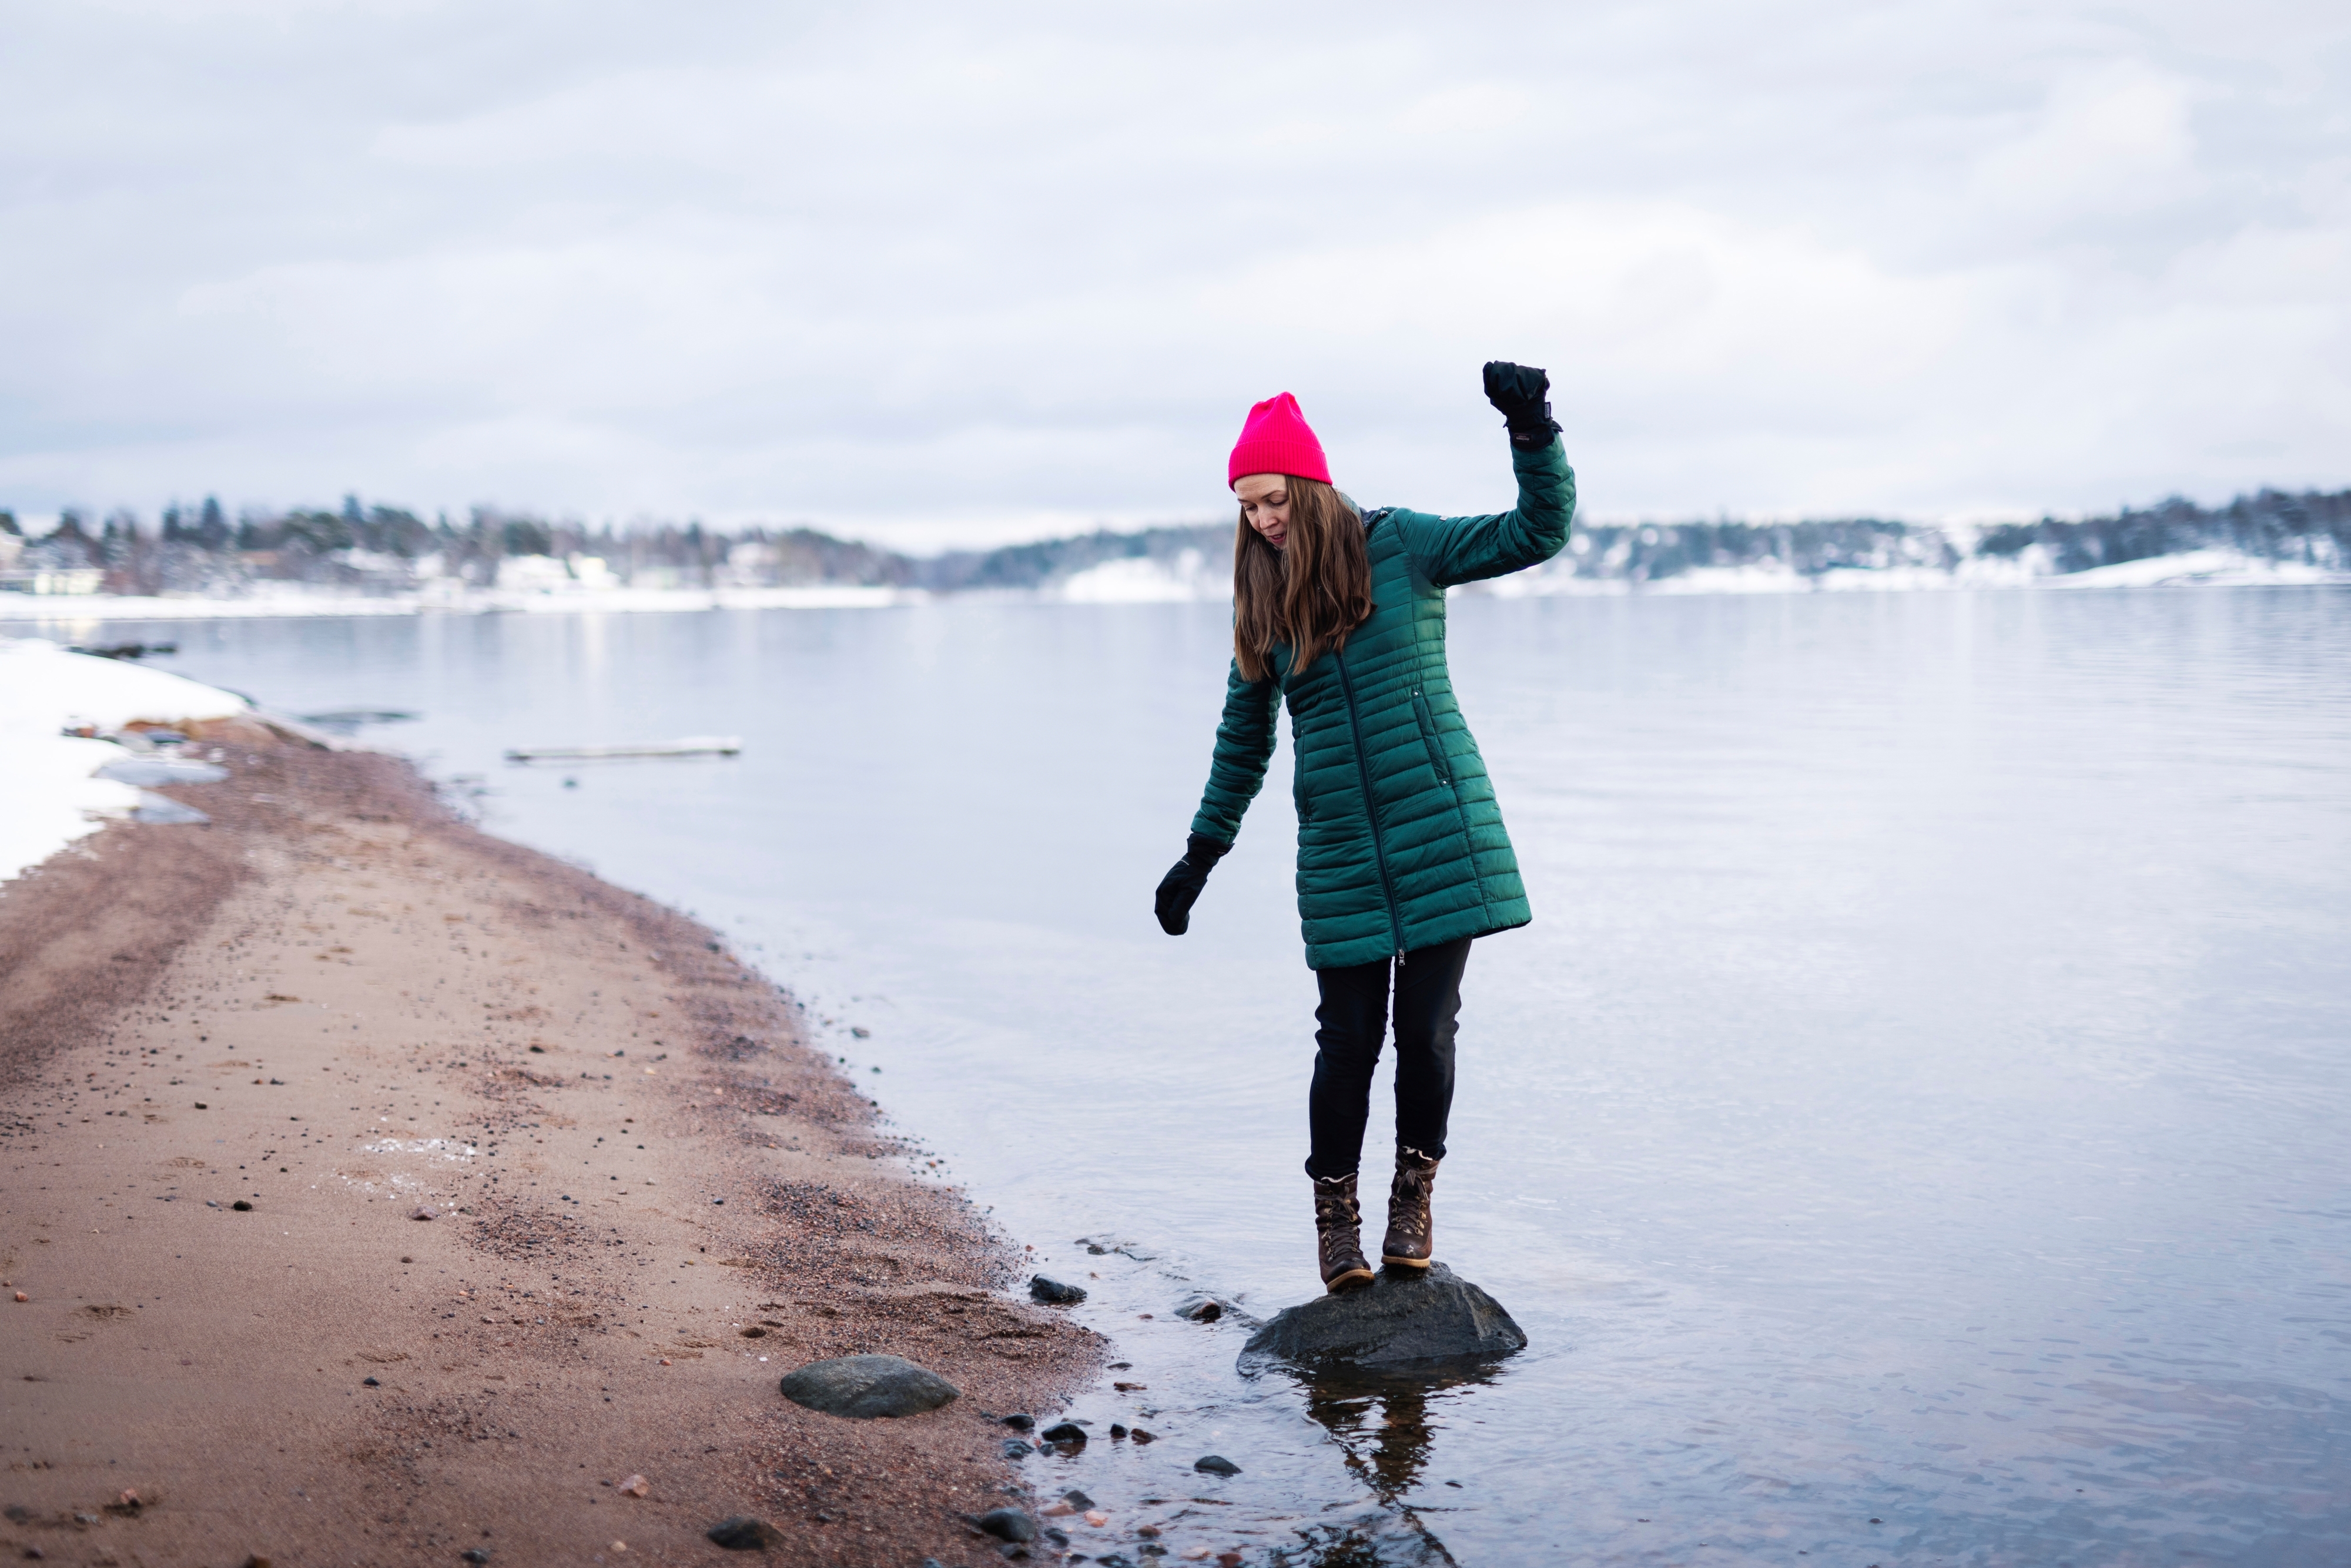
x,y
692,745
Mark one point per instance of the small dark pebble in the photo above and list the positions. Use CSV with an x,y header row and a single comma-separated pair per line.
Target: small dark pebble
x,y
1140,1436
476,1554
371,1383
743,1533
242,1206
1014,1448
1115,1560
1007,1524
1077,1498
1067,1432
1116,1430
1056,1537
1215,1465
1020,1423
1053,1293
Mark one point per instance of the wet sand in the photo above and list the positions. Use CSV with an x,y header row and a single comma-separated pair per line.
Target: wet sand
x,y
649,1199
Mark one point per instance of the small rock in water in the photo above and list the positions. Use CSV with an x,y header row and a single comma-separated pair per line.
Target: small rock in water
x,y
1019,1423
1056,1511
866,1387
1077,1498
1404,1318
1009,1524
1014,1448
1067,1432
1116,1430
1140,1436
743,1533
1054,1293
1215,1465
1200,1309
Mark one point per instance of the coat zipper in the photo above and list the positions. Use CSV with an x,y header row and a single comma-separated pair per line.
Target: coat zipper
x,y
1371,806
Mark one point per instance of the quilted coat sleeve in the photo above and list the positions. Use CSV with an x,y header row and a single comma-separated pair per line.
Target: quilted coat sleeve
x,y
1244,745
1468,550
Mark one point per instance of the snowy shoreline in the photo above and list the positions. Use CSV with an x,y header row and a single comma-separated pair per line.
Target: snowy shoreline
x,y
51,793
1147,581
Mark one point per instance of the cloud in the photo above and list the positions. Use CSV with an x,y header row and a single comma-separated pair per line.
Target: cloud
x,y
932,275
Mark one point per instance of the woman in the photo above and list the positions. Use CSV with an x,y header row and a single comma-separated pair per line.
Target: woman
x,y
1402,859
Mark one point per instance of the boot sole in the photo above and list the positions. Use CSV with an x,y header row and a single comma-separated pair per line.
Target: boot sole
x,y
1353,1279
1407,1262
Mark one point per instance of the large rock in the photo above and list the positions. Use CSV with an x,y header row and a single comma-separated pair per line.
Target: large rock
x,y
1405,1318
867,1386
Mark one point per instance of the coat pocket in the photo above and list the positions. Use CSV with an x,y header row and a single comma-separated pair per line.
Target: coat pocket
x,y
1428,721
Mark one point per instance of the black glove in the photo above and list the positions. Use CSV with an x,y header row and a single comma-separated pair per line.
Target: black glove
x,y
1184,882
1523,395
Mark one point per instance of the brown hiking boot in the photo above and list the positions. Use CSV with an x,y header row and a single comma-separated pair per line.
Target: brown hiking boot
x,y
1338,1233
1411,1232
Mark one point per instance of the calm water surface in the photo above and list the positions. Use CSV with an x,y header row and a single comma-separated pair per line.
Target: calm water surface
x,y
1912,1131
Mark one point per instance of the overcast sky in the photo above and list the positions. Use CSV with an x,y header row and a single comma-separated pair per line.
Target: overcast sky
x,y
946,273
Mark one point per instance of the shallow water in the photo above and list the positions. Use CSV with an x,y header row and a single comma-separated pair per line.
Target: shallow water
x,y
1912,1130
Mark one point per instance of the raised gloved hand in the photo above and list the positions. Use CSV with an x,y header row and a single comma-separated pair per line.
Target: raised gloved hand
x,y
1523,395
1184,882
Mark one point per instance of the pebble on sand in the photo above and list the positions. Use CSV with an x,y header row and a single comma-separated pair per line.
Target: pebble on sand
x,y
1018,1423
421,1212
868,1387
1054,1293
743,1533
1014,1448
1215,1465
635,1486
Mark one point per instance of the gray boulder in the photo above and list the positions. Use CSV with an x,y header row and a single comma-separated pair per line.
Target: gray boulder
x,y
1405,1318
864,1387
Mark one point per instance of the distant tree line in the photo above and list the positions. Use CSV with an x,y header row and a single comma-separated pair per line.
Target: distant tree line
x,y
381,548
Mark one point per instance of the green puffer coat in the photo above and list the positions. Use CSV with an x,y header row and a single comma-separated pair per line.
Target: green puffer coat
x,y
1400,842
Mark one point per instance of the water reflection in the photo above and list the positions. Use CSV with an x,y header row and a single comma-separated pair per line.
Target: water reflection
x,y
1387,1423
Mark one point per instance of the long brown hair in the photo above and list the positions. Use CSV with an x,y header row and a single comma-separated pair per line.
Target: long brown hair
x,y
1310,594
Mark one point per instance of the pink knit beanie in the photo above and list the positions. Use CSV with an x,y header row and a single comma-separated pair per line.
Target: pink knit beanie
x,y
1275,439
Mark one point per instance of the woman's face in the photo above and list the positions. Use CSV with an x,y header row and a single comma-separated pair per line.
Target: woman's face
x,y
1265,502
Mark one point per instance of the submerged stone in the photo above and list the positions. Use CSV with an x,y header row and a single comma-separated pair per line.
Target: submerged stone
x,y
1007,1524
1405,1318
866,1387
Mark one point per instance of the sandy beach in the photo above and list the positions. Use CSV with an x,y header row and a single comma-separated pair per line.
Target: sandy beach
x,y
381,1192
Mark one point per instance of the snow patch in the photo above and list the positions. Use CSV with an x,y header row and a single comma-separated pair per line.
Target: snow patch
x,y
447,1148
49,794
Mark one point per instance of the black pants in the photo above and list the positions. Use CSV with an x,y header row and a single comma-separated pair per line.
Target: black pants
x,y
1353,1017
